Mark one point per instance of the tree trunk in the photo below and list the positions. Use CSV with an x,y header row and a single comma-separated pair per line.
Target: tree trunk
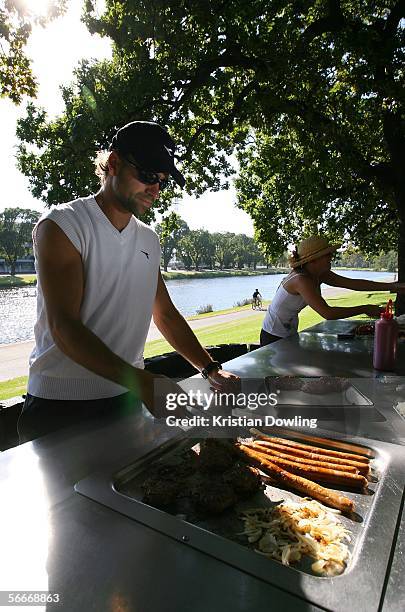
x,y
12,268
400,301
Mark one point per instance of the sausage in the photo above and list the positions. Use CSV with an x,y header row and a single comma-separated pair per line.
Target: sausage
x,y
303,485
307,447
323,462
319,474
295,453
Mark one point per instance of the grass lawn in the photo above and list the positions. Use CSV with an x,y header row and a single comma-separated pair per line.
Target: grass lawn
x,y
206,315
13,387
248,329
245,330
17,281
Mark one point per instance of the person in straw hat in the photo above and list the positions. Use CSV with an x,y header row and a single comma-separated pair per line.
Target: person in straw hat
x,y
311,265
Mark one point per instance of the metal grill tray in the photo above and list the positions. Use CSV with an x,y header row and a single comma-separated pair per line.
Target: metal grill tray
x,y
372,527
346,397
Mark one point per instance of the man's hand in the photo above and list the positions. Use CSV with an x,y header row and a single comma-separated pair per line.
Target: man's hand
x,y
221,380
159,395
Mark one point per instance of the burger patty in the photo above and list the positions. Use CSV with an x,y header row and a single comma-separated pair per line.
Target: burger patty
x,y
216,455
213,496
160,493
244,479
212,481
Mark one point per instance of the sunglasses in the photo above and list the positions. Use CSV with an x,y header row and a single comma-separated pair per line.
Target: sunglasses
x,y
148,178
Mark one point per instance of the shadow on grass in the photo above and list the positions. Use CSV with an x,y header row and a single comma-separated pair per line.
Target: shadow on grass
x,y
17,281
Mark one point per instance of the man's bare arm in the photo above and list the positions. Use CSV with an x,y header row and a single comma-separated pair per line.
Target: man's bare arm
x,y
179,334
176,330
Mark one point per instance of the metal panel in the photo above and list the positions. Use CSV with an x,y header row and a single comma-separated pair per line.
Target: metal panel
x,y
371,553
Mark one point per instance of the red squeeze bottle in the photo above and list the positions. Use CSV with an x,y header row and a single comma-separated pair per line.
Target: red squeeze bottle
x,y
385,340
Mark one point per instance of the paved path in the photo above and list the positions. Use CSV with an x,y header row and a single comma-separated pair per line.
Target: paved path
x,y
14,357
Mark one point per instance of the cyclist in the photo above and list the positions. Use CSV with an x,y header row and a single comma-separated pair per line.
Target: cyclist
x,y
257,299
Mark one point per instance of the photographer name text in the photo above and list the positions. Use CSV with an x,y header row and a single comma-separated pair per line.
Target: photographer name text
x,y
240,421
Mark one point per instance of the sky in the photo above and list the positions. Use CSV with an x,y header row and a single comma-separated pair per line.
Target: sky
x,y
55,51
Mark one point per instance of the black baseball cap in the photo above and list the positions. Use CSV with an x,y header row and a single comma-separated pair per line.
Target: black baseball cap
x,y
151,147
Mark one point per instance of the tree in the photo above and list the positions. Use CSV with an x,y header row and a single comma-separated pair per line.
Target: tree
x,y
386,261
170,231
253,253
16,225
278,262
308,94
209,250
195,246
16,20
352,257
223,249
239,247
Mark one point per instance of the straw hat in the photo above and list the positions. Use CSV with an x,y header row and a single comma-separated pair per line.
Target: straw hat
x,y
309,249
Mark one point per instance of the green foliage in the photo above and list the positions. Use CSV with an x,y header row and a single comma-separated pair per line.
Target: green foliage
x,y
308,95
22,280
16,226
204,309
352,257
195,247
244,302
16,20
13,387
245,251
170,231
386,261
223,249
190,274
228,250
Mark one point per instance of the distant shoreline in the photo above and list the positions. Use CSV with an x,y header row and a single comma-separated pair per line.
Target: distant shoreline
x,y
190,274
29,280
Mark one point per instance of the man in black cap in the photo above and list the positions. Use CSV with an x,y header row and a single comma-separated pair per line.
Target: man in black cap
x,y
99,283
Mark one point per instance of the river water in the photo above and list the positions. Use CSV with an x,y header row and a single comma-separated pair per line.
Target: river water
x,y
18,306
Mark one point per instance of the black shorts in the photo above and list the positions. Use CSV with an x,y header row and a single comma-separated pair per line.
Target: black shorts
x,y
42,416
266,338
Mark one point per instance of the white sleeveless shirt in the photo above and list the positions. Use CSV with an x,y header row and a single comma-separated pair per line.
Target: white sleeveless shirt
x,y
282,314
120,282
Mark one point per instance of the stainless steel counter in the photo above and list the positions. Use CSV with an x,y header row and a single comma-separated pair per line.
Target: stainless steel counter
x,y
319,352
96,559
52,538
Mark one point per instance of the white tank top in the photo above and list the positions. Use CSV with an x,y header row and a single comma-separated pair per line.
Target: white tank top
x,y
282,314
120,282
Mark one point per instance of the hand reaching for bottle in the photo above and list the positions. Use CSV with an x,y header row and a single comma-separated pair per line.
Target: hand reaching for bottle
x,y
398,288
373,311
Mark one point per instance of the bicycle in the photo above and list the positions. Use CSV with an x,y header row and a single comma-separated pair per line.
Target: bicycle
x,y
257,304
